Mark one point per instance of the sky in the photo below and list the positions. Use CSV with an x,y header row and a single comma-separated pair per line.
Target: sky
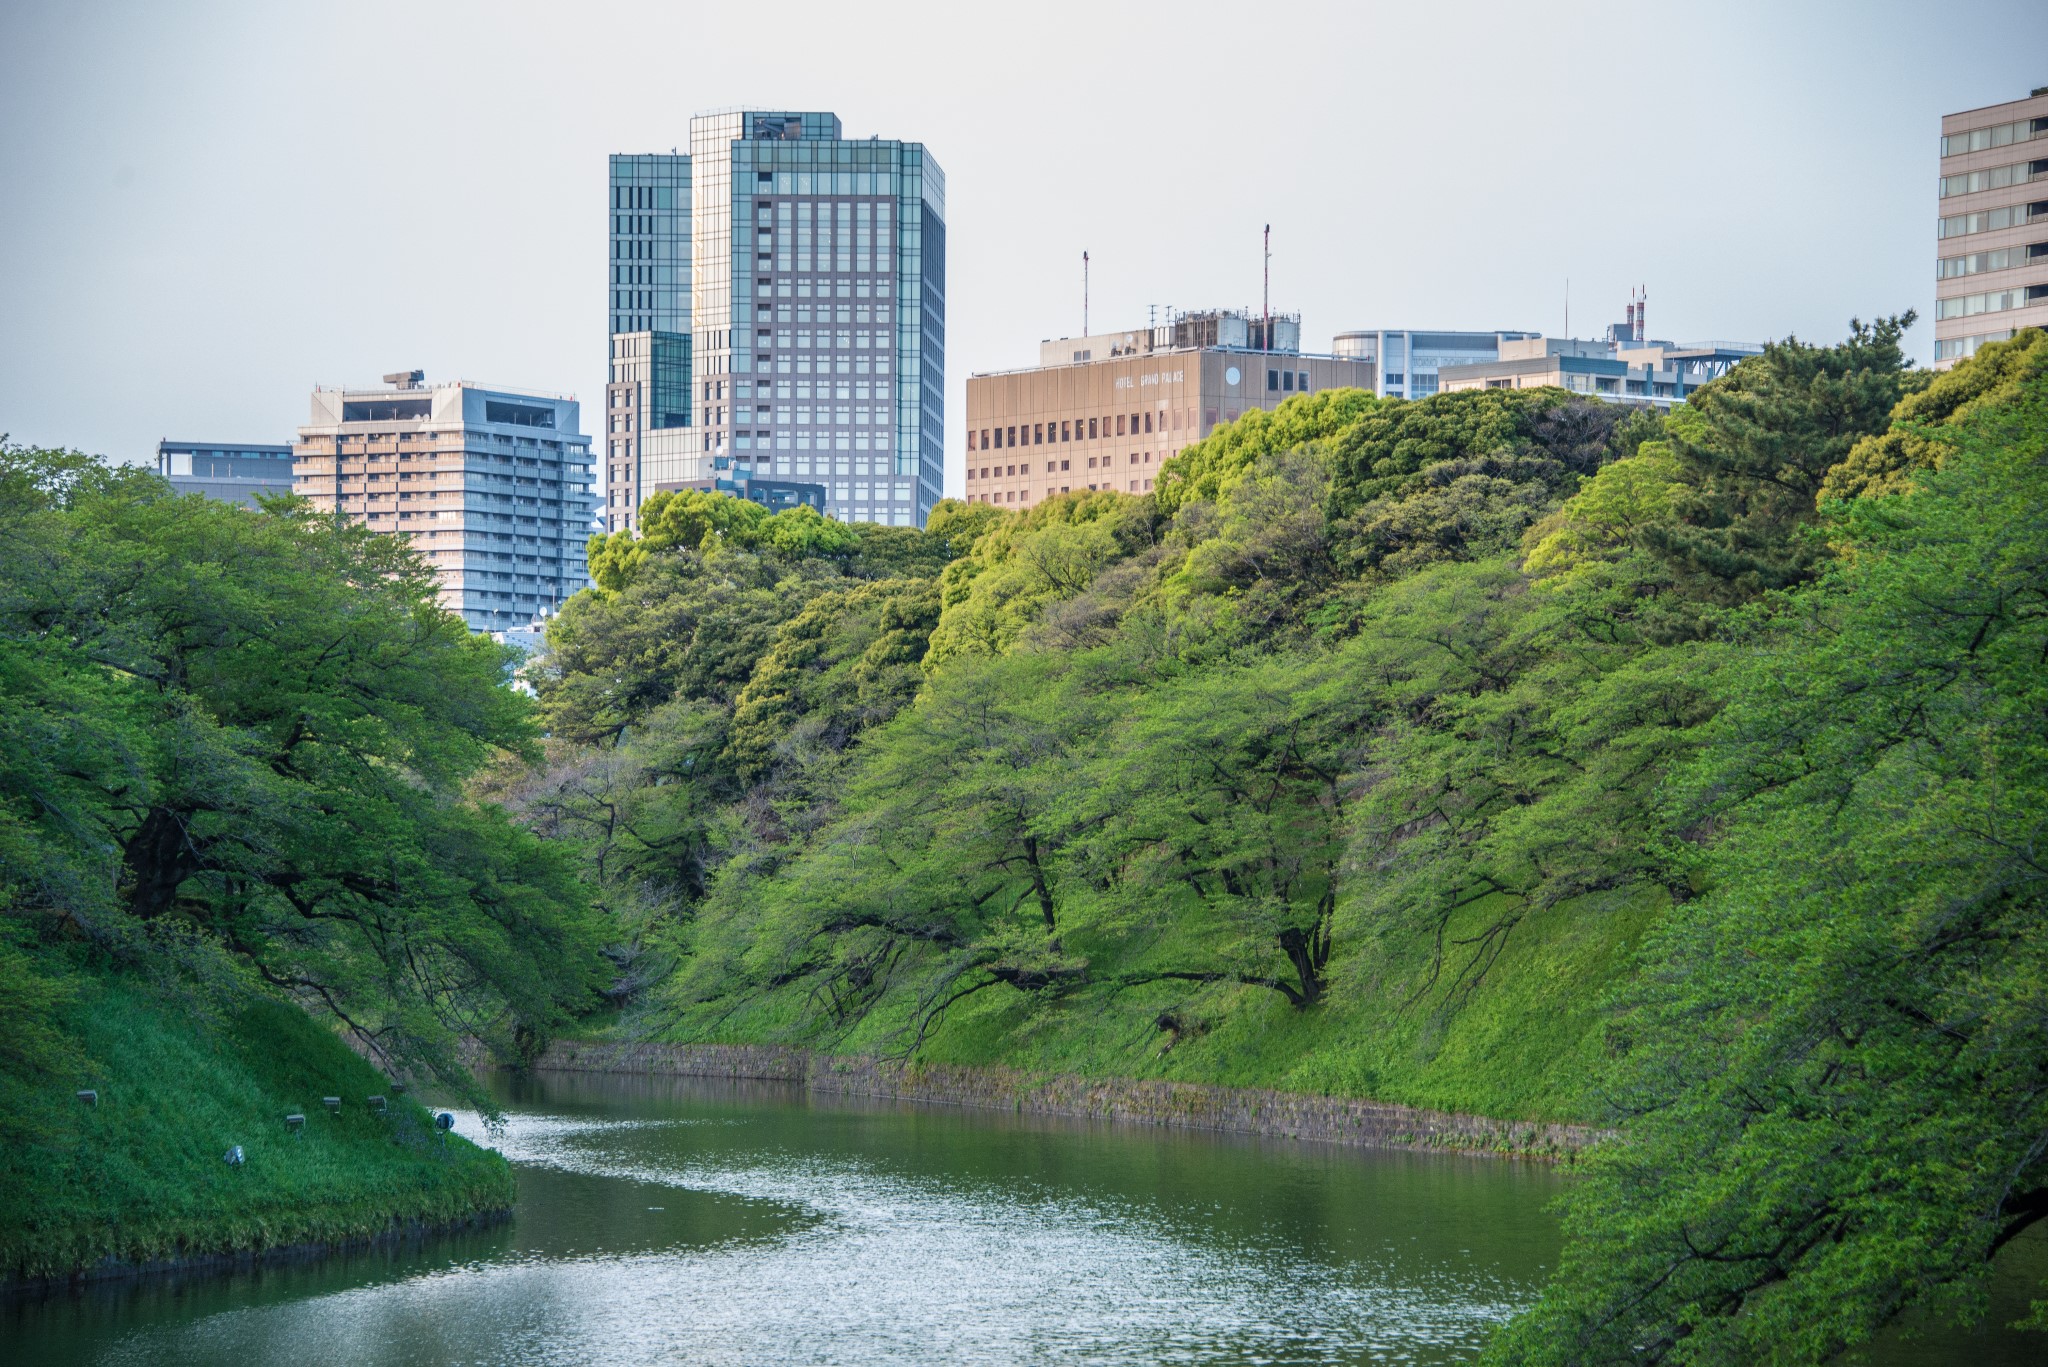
x,y
209,208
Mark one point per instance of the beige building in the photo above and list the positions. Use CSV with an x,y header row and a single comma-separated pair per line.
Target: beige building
x,y
1991,237
1102,412
492,486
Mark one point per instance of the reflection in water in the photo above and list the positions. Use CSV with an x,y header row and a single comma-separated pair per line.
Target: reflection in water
x,y
665,1220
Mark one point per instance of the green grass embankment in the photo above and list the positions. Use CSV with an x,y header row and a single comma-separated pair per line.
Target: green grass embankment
x,y
1520,1045
140,1177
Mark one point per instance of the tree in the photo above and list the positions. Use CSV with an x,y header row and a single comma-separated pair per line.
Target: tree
x,y
1752,449
1834,1085
251,733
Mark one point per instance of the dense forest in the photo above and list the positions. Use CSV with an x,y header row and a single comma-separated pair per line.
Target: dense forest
x,y
1502,751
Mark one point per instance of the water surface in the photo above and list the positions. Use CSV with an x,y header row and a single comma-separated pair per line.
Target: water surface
x,y
685,1221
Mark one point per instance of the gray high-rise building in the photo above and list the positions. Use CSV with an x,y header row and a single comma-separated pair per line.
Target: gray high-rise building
x,y
234,471
792,282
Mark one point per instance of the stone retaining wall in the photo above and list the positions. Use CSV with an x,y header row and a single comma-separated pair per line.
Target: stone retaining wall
x,y
1240,1110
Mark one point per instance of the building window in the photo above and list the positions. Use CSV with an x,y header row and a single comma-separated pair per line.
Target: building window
x,y
1091,433
1301,381
1066,465
1065,435
1273,380
970,439
1120,424
1011,439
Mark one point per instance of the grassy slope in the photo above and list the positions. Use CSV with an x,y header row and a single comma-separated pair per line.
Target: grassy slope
x,y
142,1176
1520,1046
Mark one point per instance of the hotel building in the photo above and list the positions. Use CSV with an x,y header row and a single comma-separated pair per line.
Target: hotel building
x,y
491,485
789,283
1102,412
1991,232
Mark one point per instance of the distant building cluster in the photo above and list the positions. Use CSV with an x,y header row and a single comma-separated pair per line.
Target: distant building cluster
x,y
777,330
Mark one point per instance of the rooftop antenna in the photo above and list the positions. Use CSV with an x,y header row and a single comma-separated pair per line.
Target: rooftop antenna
x,y
1642,314
1266,294
1084,294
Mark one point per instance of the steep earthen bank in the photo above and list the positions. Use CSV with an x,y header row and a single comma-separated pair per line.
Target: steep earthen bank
x,y
1237,1110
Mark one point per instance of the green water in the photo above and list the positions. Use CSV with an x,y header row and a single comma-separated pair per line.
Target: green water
x,y
668,1220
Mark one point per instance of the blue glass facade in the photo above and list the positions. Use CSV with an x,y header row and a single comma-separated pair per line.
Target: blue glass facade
x,y
816,313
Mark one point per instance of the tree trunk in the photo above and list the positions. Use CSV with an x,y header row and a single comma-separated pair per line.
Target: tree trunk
x,y
159,857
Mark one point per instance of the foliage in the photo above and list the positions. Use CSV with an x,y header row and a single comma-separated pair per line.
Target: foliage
x,y
1752,449
245,735
1835,1085
1885,462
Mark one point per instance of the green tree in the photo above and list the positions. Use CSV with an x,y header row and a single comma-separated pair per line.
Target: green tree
x,y
251,733
1753,448
1835,1079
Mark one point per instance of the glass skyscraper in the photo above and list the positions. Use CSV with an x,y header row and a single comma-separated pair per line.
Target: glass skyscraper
x,y
814,310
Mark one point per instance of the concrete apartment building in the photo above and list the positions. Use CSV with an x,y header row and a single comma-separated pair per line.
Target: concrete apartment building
x,y
790,282
1991,232
1407,362
1102,412
235,472
492,485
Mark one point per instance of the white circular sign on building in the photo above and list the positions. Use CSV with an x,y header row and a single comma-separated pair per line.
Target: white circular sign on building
x,y
1231,376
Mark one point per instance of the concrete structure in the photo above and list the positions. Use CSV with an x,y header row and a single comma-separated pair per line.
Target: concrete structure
x,y
1991,230
1618,368
804,315
1407,362
1107,419
492,485
233,471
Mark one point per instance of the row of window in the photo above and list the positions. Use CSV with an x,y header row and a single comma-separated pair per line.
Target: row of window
x,y
825,313
1990,220
1993,178
1051,467
1992,301
1134,486
1038,434
841,340
1997,135
1976,263
1286,381
1957,348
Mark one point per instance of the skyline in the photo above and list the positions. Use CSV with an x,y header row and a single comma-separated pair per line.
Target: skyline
x,y
161,292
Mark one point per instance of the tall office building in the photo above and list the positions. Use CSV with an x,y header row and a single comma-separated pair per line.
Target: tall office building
x,y
234,471
1103,411
815,316
648,388
1991,235
491,484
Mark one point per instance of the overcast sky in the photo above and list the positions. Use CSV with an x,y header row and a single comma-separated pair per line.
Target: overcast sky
x,y
209,208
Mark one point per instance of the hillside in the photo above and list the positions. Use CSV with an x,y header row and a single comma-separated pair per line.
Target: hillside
x,y
1502,751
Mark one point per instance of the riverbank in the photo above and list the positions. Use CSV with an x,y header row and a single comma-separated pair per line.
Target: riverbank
x,y
1185,1105
135,1181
